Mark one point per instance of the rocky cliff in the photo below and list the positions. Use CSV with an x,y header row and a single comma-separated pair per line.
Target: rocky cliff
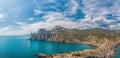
x,y
61,34
105,40
42,34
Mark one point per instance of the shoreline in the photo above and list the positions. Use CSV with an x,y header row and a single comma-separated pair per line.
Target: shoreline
x,y
109,53
90,43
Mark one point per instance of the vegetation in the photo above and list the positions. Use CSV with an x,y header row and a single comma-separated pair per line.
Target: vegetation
x,y
105,40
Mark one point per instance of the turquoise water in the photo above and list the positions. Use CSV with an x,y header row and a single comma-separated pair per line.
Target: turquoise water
x,y
117,55
20,47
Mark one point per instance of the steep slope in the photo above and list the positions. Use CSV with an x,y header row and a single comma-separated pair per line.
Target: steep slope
x,y
61,34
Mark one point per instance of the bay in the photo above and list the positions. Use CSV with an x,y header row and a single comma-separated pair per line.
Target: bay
x,y
21,47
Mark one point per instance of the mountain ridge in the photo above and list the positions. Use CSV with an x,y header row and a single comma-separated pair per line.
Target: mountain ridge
x,y
61,34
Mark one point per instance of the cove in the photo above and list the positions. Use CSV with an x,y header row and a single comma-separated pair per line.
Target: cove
x,y
117,54
21,47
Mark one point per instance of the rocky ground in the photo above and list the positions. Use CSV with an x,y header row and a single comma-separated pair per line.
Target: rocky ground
x,y
105,40
105,50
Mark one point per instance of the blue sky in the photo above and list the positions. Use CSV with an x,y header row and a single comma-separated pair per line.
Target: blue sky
x,y
20,17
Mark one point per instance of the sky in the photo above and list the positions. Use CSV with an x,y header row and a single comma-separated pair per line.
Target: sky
x,y
21,17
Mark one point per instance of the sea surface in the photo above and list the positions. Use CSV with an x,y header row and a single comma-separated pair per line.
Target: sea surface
x,y
117,54
21,47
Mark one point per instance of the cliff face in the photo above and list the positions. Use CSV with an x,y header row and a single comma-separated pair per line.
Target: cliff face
x,y
61,34
42,34
105,40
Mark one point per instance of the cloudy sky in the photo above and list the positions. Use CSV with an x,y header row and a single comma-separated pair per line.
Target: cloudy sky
x,y
20,17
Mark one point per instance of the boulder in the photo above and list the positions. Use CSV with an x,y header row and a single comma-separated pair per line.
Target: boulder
x,y
42,56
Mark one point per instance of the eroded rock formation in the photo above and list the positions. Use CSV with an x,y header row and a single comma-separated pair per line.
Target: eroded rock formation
x,y
61,34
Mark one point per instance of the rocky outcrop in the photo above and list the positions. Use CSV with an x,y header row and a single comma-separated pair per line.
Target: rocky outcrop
x,y
41,56
42,34
104,39
89,53
33,36
61,34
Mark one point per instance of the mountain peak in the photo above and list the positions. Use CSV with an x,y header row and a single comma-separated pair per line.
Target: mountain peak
x,y
58,28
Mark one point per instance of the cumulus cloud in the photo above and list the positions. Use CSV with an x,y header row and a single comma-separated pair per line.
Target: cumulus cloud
x,y
20,23
37,12
51,16
25,29
73,6
10,31
2,16
95,12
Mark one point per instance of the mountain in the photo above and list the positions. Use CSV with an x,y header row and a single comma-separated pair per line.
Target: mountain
x,y
61,34
42,34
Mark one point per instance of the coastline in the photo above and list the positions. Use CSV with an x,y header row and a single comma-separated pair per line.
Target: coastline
x,y
90,43
106,41
108,53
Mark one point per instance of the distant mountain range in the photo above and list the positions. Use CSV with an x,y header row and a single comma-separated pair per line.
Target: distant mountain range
x,y
61,34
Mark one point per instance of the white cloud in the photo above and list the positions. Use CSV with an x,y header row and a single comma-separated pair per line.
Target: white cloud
x,y
51,16
73,6
37,12
44,1
2,16
4,29
49,23
10,31
20,23
94,10
31,19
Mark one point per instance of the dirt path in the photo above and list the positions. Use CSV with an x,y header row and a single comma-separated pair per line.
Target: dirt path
x,y
104,43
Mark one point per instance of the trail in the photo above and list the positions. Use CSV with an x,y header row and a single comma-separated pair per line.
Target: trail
x,y
104,43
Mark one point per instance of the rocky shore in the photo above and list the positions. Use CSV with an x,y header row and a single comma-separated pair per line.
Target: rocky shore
x,y
106,41
108,53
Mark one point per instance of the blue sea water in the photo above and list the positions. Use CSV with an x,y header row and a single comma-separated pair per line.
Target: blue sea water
x,y
117,54
21,47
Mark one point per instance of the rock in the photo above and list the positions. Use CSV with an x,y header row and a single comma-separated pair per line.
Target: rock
x,y
58,29
42,34
76,54
33,36
42,55
61,34
92,56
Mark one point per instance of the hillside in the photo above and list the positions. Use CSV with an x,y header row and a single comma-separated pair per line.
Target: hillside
x,y
106,41
61,34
